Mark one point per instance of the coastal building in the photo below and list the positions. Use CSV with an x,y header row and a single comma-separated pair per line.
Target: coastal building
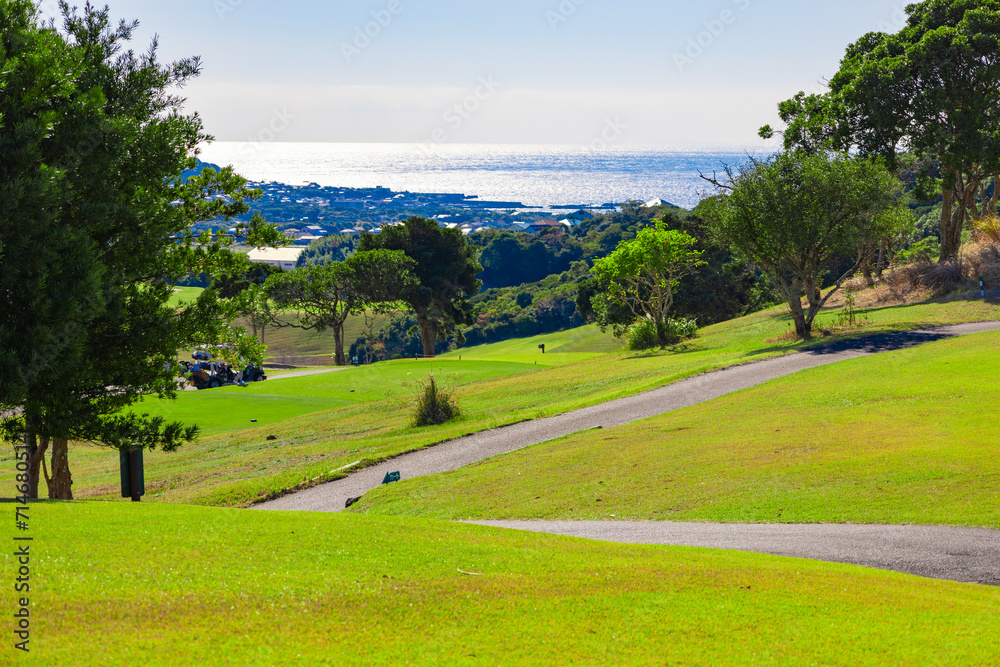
x,y
284,258
541,225
655,203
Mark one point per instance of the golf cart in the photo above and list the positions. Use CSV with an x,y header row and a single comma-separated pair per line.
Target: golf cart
x,y
205,372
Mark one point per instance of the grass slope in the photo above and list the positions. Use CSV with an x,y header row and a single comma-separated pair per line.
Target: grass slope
x,y
561,348
899,438
172,585
301,347
184,295
229,409
241,467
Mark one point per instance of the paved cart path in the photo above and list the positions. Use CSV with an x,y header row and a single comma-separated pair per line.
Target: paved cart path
x,y
967,555
454,454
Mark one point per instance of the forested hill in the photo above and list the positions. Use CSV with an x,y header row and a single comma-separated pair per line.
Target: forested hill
x,y
541,283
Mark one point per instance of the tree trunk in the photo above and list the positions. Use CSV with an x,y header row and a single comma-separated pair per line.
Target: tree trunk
x,y
992,210
793,295
866,269
427,335
61,485
949,249
36,454
340,359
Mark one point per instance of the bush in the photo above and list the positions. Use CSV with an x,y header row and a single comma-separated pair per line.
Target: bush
x,y
681,330
434,406
643,335
924,251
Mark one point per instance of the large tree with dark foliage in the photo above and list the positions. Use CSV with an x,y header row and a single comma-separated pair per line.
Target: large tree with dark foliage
x,y
932,89
796,214
100,144
445,271
327,294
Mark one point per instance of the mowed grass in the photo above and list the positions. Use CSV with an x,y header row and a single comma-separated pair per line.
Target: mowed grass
x,y
907,437
561,348
154,584
228,409
298,346
184,295
242,467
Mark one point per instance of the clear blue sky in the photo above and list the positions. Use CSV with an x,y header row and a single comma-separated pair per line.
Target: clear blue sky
x,y
559,71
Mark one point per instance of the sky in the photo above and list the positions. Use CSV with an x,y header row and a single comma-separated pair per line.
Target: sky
x,y
660,73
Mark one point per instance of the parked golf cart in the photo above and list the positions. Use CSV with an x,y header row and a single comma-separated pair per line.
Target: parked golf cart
x,y
205,372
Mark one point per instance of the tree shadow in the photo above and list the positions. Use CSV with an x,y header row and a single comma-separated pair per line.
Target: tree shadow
x,y
879,342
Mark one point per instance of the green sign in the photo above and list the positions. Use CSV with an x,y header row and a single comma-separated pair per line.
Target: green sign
x,y
391,477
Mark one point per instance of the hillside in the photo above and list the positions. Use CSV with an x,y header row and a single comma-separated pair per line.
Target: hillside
x,y
240,465
898,438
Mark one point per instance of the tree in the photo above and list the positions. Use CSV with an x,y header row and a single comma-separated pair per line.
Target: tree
x,y
43,295
795,214
933,89
248,297
327,294
642,275
114,148
445,271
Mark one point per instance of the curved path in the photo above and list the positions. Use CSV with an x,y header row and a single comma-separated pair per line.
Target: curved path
x,y
454,454
968,555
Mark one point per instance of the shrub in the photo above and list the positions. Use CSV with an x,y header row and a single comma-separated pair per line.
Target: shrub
x,y
643,334
681,330
435,406
924,251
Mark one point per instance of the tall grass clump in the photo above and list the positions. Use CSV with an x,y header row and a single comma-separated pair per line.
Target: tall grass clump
x,y
435,406
988,229
977,261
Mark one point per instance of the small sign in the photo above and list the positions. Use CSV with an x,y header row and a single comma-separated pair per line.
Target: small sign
x,y
391,477
542,348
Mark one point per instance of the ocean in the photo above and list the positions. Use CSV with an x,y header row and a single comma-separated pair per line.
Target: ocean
x,y
533,175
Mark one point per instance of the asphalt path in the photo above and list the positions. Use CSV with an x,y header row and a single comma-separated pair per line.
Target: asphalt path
x,y
967,555
302,374
454,454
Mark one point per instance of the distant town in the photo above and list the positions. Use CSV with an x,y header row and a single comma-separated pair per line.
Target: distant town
x,y
310,212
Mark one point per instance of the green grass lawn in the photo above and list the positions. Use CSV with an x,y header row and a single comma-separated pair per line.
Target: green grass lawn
x,y
238,468
229,409
899,438
560,348
184,295
298,346
117,584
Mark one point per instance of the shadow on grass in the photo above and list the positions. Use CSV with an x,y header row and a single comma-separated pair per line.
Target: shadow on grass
x,y
681,348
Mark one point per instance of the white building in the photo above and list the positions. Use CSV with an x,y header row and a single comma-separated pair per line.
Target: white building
x,y
284,258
